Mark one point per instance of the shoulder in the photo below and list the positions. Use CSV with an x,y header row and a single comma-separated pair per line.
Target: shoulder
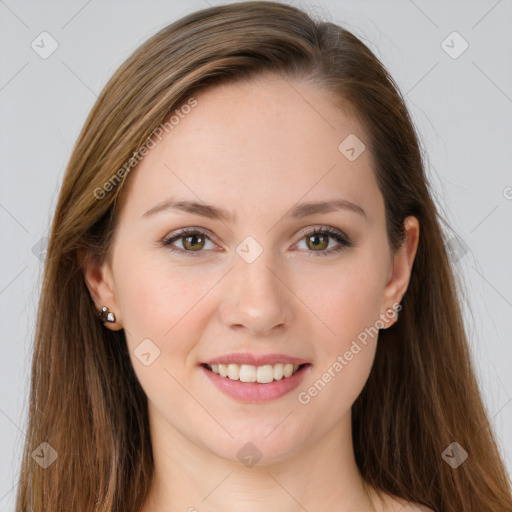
x,y
395,504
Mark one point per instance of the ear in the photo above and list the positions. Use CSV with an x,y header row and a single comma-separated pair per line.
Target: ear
x,y
400,273
100,283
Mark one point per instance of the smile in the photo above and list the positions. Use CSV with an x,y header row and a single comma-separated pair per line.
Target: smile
x,y
261,384
250,373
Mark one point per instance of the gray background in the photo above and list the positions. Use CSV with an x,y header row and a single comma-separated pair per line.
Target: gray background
x,y
462,107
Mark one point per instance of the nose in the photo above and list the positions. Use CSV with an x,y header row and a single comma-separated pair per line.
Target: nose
x,y
257,297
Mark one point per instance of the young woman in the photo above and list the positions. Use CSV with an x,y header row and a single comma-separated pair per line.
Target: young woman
x,y
247,300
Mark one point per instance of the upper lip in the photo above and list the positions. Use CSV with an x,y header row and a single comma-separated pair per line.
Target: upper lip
x,y
255,359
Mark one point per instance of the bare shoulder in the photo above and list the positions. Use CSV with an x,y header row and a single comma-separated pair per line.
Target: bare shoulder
x,y
395,504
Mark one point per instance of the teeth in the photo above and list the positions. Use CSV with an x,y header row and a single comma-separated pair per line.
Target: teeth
x,y
249,373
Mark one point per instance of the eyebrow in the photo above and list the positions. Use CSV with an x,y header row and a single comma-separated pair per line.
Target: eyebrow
x,y
215,212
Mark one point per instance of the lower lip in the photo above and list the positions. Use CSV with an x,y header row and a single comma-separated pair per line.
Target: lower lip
x,y
254,392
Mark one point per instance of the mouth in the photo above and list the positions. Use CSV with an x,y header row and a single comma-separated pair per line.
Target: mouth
x,y
247,373
255,384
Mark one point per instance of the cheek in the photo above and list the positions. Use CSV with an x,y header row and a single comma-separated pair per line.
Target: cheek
x,y
346,338
347,304
344,358
334,386
161,302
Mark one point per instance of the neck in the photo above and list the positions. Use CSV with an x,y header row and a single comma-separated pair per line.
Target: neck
x,y
321,475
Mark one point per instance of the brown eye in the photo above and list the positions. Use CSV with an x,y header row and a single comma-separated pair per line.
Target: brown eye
x,y
193,242
317,241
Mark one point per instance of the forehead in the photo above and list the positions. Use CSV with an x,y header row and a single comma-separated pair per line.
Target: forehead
x,y
272,142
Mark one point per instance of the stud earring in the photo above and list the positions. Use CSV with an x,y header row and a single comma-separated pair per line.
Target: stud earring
x,y
393,315
107,316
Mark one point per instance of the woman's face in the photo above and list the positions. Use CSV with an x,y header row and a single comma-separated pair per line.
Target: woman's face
x,y
255,281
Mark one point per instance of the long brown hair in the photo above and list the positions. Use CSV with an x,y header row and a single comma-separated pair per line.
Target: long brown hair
x,y
85,400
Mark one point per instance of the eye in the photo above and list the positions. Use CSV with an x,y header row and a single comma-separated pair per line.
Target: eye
x,y
318,240
192,240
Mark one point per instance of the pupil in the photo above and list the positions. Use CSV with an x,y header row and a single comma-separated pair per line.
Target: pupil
x,y
314,239
194,238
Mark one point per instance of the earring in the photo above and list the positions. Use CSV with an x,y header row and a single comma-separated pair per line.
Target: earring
x,y
393,314
106,315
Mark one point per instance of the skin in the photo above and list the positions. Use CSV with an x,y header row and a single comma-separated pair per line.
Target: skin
x,y
241,147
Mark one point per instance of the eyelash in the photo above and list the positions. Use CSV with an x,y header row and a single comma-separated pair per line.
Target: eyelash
x,y
344,241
